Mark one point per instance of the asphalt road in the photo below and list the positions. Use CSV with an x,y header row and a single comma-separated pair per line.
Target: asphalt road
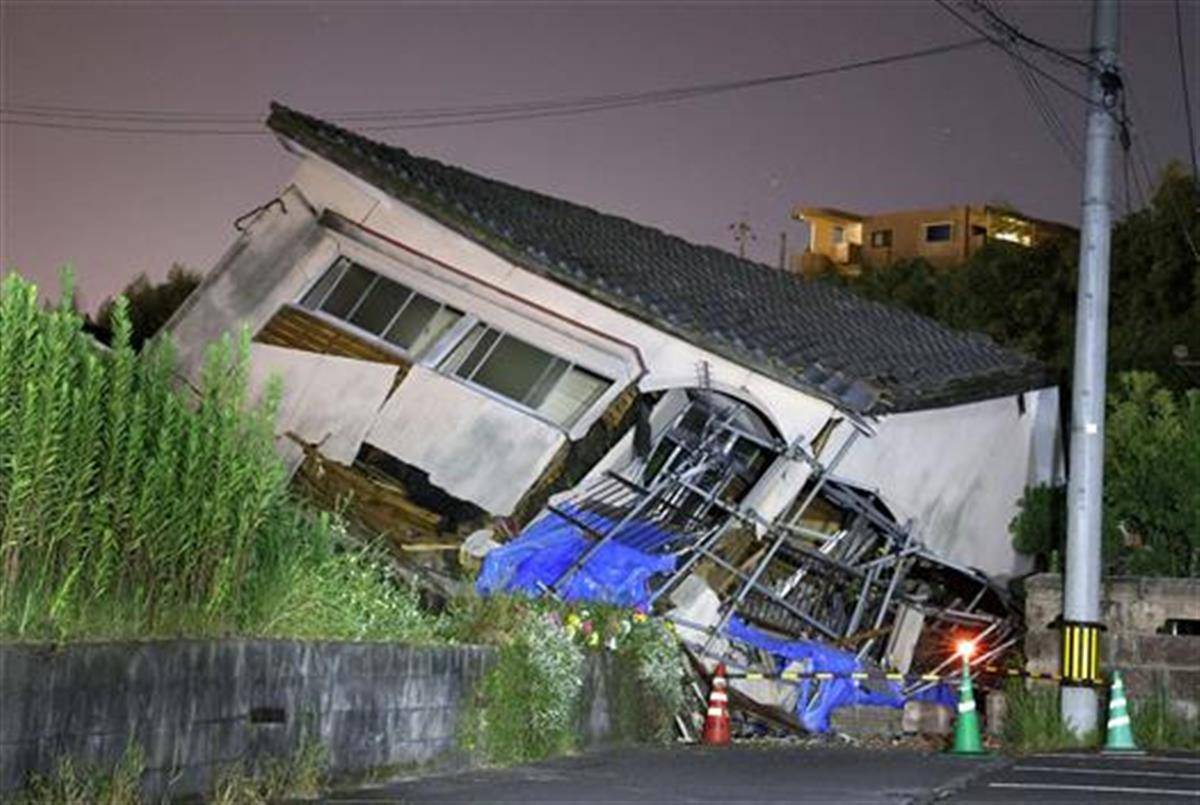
x,y
1089,778
745,773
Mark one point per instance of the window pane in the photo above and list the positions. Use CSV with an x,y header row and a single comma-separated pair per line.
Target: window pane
x,y
455,362
381,304
412,321
545,384
513,368
347,292
938,233
442,321
318,291
574,393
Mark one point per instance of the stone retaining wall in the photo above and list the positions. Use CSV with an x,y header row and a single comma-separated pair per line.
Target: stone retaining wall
x,y
1140,615
196,707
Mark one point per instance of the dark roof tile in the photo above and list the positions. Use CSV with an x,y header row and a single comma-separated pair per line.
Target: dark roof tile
x,y
862,355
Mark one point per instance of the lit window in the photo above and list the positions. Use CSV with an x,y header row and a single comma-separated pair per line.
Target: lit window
x,y
939,233
381,307
519,371
881,238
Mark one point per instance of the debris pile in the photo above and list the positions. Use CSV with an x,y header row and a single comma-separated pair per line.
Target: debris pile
x,y
834,593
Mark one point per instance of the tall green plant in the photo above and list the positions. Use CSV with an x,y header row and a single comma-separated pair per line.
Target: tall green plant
x,y
129,507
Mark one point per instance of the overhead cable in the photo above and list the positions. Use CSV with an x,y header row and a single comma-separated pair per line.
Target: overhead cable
x,y
168,123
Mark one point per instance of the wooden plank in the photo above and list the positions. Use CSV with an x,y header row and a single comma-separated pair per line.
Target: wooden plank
x,y
294,328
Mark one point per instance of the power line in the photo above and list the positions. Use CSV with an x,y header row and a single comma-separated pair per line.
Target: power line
x,y
1044,109
449,116
1187,103
1014,53
1014,33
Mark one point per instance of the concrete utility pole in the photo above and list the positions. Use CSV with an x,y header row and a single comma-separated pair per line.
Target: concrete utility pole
x,y
742,233
1081,589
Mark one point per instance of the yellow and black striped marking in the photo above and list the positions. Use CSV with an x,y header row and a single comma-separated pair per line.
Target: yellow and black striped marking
x,y
1080,653
860,676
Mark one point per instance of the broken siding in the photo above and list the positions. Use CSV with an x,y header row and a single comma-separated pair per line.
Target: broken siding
x,y
472,446
370,501
326,400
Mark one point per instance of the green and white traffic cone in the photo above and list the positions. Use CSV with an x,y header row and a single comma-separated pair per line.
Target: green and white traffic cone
x,y
1119,735
966,727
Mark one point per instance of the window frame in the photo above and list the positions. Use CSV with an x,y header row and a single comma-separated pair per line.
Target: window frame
x,y
887,244
520,405
444,346
434,349
925,227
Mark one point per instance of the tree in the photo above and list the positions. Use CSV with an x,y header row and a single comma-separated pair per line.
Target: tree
x,y
1024,298
150,304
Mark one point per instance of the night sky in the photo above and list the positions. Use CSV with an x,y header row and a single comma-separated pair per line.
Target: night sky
x,y
943,130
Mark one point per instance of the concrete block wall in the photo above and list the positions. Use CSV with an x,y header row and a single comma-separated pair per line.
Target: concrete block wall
x,y
1136,613
195,707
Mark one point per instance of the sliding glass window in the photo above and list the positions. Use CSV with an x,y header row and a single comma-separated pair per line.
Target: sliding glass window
x,y
515,369
381,307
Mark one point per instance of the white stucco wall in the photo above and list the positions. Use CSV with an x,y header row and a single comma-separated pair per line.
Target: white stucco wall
x,y
472,446
670,361
325,400
958,472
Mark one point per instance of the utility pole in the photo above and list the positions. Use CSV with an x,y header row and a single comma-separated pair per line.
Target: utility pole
x,y
1081,585
783,251
742,233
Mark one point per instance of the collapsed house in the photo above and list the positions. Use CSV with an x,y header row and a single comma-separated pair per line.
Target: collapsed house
x,y
783,458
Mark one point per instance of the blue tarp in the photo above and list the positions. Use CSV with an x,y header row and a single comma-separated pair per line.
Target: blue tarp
x,y
814,709
619,573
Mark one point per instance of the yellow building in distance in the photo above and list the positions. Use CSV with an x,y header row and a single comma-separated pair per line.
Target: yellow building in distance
x,y
845,241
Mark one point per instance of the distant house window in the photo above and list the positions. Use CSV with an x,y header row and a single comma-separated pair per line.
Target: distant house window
x,y
523,373
881,238
939,233
381,307
839,234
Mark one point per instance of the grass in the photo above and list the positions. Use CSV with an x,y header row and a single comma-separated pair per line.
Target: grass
x,y
1033,723
132,509
1158,726
73,783
303,775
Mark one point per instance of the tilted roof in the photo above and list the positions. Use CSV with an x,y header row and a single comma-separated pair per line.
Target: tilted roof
x,y
861,355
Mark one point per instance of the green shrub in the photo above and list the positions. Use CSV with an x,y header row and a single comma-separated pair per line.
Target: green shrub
x,y
529,701
1040,526
1152,479
129,508
652,652
1151,487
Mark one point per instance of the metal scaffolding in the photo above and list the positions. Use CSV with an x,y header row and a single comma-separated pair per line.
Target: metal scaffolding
x,y
852,580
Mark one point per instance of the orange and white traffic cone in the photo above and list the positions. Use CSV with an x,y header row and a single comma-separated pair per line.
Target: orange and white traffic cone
x,y
716,724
